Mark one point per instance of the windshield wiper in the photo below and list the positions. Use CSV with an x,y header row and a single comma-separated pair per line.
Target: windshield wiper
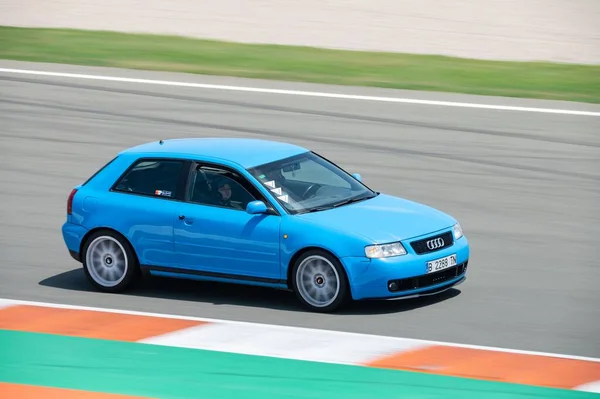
x,y
316,209
351,200
344,202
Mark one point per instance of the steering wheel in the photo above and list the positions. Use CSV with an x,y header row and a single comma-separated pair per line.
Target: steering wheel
x,y
313,187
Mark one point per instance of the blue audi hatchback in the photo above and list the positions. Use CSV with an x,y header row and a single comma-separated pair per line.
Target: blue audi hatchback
x,y
258,212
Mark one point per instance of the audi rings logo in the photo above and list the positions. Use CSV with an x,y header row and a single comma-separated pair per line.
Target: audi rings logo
x,y
435,243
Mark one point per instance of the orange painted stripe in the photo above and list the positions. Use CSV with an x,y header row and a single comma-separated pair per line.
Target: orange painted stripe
x,y
88,324
494,366
18,391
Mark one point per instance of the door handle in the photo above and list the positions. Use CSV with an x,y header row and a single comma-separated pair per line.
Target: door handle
x,y
186,221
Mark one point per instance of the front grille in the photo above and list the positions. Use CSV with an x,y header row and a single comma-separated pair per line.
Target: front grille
x,y
427,280
420,246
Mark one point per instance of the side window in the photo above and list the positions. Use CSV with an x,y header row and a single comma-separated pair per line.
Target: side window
x,y
155,177
218,187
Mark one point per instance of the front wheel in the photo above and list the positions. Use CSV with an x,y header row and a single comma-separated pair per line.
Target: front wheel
x,y
320,282
109,262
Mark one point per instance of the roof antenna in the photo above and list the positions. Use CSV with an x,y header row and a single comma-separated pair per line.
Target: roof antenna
x,y
161,142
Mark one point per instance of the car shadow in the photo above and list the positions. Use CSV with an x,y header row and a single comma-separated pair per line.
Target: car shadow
x,y
216,293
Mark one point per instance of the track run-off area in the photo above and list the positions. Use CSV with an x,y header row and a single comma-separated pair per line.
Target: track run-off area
x,y
522,177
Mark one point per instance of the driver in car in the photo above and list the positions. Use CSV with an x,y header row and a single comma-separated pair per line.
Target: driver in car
x,y
224,193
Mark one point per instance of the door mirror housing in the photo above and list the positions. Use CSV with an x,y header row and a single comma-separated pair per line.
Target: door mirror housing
x,y
256,207
357,176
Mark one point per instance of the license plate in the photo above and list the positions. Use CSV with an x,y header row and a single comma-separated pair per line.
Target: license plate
x,y
441,264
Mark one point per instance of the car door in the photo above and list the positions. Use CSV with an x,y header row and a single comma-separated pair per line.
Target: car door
x,y
221,239
143,203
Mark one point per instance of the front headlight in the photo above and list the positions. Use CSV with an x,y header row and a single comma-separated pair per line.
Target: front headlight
x,y
385,250
457,231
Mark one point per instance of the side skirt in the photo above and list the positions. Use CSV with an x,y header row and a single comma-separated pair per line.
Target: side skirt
x,y
192,274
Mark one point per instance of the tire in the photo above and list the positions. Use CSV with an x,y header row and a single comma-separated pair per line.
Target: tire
x,y
104,253
312,273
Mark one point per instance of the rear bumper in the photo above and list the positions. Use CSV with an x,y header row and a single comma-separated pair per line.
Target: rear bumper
x,y
73,235
75,255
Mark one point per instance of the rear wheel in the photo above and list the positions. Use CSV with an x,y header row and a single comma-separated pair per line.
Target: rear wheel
x,y
319,281
109,262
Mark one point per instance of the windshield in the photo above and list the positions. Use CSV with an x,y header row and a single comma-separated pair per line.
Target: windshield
x,y
308,183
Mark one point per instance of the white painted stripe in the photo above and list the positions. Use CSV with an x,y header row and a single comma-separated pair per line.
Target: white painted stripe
x,y
303,93
266,340
5,303
300,329
589,387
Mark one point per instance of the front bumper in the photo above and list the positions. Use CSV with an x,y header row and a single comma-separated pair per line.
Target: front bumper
x,y
372,279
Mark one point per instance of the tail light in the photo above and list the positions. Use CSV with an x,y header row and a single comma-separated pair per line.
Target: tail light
x,y
70,202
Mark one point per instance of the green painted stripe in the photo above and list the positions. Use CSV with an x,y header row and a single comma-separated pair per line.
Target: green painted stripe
x,y
169,372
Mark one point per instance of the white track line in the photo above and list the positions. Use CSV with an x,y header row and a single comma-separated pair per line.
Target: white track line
x,y
302,93
272,341
5,302
589,387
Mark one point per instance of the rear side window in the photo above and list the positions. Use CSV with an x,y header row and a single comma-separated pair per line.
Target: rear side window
x,y
158,178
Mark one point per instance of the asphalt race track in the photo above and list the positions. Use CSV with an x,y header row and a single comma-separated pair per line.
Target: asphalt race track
x,y
525,187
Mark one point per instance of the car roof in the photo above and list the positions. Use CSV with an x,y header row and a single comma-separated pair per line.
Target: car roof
x,y
243,151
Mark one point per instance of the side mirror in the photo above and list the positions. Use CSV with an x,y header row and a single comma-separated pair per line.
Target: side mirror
x,y
357,176
256,207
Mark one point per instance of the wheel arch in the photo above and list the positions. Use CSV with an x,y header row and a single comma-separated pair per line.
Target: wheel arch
x,y
302,251
87,236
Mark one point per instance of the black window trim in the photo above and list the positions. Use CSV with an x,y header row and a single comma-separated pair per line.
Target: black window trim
x,y
238,178
182,179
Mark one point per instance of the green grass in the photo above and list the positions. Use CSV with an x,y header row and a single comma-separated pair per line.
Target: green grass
x,y
389,70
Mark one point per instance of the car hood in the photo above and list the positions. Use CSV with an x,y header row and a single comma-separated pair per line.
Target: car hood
x,y
383,219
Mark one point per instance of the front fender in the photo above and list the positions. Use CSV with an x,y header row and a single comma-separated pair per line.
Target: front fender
x,y
299,235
